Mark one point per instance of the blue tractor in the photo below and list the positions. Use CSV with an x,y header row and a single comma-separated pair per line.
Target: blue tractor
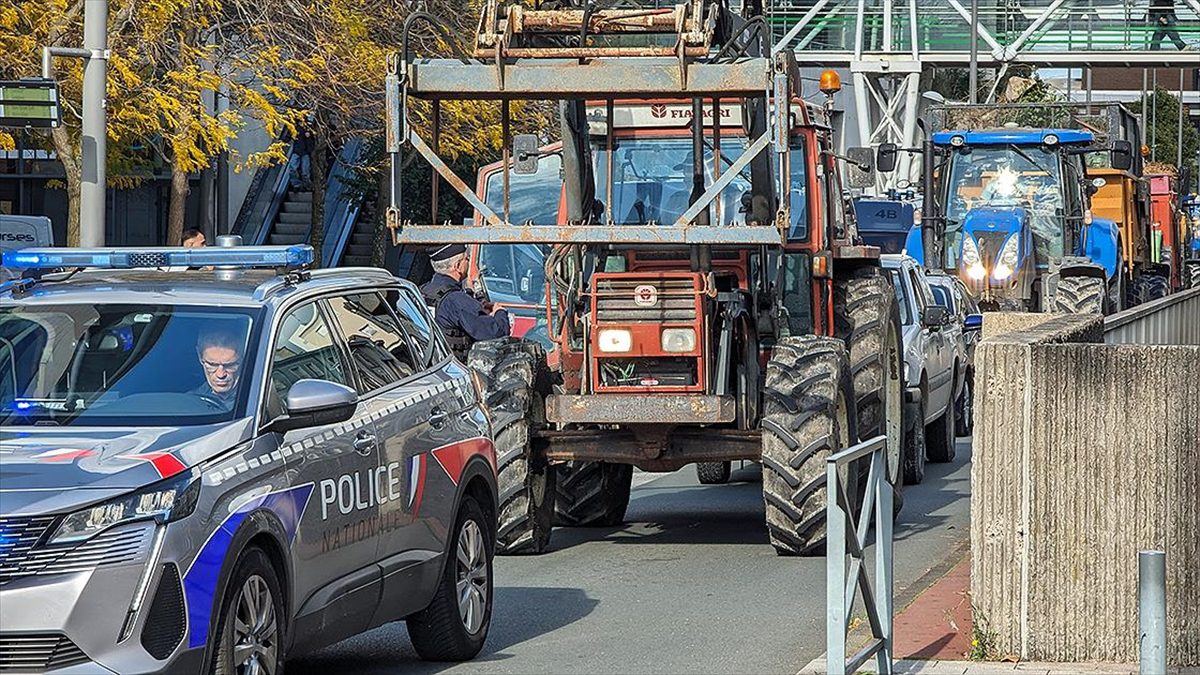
x,y
1007,210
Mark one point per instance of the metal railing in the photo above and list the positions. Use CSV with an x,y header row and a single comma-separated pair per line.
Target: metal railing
x,y
1173,320
342,204
261,205
846,575
945,26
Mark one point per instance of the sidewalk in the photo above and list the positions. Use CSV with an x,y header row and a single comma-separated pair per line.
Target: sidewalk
x,y
933,637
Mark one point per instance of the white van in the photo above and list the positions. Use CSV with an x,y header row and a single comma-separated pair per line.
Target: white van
x,y
18,232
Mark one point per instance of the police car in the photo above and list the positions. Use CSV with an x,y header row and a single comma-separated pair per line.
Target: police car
x,y
207,470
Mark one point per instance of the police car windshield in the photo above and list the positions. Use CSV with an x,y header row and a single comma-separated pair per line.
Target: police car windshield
x,y
123,365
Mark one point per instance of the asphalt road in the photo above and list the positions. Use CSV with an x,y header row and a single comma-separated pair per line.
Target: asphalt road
x,y
688,585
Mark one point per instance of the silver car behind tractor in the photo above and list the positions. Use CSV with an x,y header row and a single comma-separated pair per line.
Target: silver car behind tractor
x,y
207,470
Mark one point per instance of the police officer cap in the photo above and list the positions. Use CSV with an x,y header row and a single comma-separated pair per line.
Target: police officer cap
x,y
447,252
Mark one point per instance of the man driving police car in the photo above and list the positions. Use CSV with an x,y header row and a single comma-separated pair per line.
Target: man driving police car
x,y
463,319
220,355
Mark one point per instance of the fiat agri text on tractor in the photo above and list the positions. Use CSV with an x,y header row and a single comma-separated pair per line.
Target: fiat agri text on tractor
x,y
709,300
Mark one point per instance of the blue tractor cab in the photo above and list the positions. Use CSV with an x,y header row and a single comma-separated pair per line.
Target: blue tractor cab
x,y
1007,210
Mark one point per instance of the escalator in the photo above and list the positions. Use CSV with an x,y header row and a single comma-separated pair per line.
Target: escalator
x,y
277,213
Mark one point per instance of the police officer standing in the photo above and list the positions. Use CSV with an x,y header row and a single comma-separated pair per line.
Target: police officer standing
x,y
463,319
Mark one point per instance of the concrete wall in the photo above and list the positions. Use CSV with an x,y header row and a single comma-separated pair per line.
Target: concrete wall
x,y
1084,454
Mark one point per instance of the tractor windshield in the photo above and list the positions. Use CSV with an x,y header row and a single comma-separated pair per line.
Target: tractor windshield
x,y
652,181
1006,177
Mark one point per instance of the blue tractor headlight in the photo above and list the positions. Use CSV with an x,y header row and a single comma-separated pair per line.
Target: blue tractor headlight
x,y
1006,263
971,261
295,256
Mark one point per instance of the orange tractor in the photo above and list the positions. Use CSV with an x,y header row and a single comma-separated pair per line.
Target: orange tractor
x,y
709,298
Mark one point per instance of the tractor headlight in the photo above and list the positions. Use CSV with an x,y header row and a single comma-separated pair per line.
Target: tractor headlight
x,y
970,251
1050,139
615,340
1007,262
169,500
970,259
676,340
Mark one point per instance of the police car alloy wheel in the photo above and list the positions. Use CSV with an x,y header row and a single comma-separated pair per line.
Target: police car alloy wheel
x,y
472,576
250,629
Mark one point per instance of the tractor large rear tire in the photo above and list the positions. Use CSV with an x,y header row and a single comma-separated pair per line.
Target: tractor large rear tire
x,y
1080,295
1191,276
867,320
515,381
1157,286
592,494
808,416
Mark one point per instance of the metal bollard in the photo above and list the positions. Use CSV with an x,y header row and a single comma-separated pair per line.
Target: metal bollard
x,y
1152,612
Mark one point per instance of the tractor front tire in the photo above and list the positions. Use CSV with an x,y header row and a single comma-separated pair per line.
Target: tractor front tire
x,y
514,375
592,494
1080,295
867,320
808,416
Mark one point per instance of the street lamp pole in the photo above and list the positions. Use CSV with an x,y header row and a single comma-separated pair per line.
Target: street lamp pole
x,y
95,136
95,109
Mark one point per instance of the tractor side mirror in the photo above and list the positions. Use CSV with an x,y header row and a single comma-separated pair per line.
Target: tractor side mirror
x,y
885,157
1122,155
973,322
861,169
525,154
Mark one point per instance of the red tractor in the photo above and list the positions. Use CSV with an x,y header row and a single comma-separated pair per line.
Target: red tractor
x,y
710,300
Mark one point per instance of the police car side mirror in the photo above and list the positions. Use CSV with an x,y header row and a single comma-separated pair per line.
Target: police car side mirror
x,y
315,403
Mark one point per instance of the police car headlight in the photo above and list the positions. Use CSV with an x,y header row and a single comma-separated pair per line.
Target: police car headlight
x,y
677,340
167,501
615,340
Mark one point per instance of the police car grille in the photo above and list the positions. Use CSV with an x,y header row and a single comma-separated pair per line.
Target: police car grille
x,y
37,652
147,260
17,537
108,548
675,302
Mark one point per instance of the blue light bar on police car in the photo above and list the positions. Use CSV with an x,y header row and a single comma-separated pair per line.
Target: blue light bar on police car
x,y
297,255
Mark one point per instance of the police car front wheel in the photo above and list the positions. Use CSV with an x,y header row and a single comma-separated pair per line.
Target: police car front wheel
x,y
250,630
455,625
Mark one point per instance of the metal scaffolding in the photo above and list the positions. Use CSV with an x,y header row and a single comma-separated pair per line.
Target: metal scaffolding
x,y
891,47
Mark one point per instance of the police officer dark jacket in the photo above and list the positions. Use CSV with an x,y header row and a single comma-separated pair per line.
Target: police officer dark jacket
x,y
461,317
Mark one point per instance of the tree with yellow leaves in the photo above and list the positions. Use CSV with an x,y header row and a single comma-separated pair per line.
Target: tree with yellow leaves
x,y
169,60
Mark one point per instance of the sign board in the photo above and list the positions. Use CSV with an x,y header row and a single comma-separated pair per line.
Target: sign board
x,y
18,232
659,115
30,103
